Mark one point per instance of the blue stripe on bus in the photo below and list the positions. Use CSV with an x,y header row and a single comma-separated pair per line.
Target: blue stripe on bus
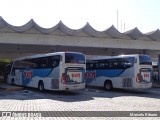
x,y
109,73
34,72
41,72
105,73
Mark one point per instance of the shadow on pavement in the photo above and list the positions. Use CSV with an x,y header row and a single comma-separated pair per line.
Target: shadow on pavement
x,y
87,94
148,93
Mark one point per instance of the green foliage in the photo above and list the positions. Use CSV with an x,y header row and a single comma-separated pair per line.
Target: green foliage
x,y
5,60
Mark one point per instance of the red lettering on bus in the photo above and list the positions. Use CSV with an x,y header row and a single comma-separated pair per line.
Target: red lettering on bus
x,y
75,75
90,75
27,74
146,75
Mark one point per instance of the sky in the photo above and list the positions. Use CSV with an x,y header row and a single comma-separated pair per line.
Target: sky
x,y
100,14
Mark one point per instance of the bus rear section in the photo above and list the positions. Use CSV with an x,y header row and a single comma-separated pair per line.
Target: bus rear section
x,y
125,72
73,72
144,72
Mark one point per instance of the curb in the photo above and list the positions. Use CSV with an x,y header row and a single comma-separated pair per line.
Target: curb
x,y
11,88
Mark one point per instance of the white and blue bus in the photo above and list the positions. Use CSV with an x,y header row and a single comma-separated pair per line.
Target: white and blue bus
x,y
52,71
124,71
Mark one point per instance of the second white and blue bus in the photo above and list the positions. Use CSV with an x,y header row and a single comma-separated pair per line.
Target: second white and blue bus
x,y
124,71
52,71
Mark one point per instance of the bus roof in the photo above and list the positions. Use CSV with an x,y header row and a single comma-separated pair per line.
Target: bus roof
x,y
111,57
44,55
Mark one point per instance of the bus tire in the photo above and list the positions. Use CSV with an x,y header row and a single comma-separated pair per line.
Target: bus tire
x,y
108,85
41,86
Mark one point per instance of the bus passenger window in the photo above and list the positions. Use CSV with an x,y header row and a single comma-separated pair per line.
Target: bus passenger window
x,y
91,66
55,64
102,65
115,64
87,66
97,66
106,66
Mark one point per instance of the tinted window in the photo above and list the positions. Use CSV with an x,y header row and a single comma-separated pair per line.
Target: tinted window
x,y
53,61
116,63
74,58
21,64
46,62
145,60
126,62
37,63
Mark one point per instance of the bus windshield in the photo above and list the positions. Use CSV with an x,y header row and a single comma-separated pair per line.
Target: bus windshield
x,y
145,60
74,58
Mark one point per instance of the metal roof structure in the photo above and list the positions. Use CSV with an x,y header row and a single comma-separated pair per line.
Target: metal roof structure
x,y
111,32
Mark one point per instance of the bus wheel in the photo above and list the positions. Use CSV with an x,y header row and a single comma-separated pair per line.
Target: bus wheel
x,y
108,85
41,86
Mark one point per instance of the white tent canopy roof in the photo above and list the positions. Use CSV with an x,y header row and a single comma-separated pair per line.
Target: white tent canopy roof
x,y
111,32
154,35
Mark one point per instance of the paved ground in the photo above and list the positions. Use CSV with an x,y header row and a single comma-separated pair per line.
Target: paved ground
x,y
90,99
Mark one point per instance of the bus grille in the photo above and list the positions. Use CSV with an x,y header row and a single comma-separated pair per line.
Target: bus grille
x,y
127,82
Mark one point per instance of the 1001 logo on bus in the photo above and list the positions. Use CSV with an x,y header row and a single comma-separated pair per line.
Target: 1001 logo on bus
x,y
90,74
75,75
27,74
146,76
